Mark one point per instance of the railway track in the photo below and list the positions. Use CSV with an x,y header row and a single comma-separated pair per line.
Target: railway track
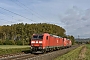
x,y
47,56
18,57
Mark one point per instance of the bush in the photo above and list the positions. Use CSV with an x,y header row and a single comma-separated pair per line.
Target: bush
x,y
9,42
13,42
1,43
19,42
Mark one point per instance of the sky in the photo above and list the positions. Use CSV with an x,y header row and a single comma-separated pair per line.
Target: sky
x,y
72,15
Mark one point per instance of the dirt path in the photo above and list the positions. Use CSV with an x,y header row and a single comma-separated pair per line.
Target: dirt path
x,y
82,53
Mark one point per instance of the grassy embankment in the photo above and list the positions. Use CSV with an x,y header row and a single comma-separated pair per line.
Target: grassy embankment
x,y
9,49
72,55
87,57
78,54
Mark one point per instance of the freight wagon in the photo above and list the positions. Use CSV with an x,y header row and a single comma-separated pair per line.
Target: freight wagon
x,y
41,43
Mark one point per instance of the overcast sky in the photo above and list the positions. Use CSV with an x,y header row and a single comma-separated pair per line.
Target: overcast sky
x,y
72,15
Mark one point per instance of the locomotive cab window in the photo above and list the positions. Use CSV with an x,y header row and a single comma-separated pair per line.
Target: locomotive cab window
x,y
46,37
40,36
37,37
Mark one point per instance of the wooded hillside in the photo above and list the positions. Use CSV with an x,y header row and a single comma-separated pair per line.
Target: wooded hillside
x,y
21,33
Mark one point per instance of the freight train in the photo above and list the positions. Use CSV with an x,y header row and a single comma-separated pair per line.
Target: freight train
x,y
41,43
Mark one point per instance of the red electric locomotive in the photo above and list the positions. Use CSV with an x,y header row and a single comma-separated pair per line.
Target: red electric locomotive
x,y
47,42
67,42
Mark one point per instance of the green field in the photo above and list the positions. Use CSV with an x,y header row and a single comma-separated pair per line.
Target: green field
x,y
10,49
72,55
87,52
75,54
13,46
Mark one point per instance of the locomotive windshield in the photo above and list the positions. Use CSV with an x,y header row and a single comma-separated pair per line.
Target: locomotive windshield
x,y
37,37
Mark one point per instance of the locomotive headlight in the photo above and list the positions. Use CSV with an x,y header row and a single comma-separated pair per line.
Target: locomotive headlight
x,y
36,41
32,41
40,41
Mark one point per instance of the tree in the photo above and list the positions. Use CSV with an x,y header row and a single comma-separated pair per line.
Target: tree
x,y
23,32
71,38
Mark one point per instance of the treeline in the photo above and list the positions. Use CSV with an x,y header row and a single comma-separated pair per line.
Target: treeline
x,y
20,34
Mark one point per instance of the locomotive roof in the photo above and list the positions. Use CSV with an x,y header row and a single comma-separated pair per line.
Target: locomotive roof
x,y
55,36
49,34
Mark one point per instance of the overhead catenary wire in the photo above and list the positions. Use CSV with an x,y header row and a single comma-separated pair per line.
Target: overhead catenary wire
x,y
3,14
25,9
20,5
17,14
30,9
35,12
4,19
9,21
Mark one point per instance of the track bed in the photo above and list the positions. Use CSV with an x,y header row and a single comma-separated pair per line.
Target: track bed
x,y
46,56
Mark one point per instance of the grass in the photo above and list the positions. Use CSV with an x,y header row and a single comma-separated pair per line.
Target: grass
x,y
13,46
10,49
87,52
72,55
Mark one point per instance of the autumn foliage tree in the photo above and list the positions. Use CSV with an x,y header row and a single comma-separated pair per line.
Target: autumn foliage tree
x,y
23,32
